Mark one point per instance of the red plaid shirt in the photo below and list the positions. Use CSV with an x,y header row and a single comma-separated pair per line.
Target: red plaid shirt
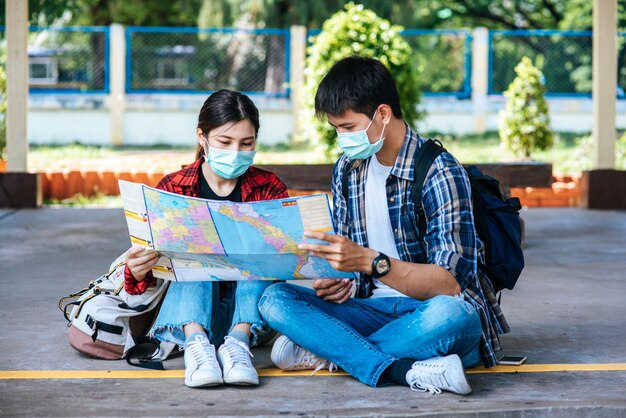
x,y
256,184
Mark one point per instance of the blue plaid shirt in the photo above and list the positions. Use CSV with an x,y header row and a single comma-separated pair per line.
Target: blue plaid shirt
x,y
450,241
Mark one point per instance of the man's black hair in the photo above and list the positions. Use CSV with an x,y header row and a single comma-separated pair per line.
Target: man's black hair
x,y
358,84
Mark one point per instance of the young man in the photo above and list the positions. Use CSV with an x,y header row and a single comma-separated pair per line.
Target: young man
x,y
422,310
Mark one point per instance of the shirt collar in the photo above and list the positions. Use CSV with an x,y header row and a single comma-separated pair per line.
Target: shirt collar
x,y
403,167
191,174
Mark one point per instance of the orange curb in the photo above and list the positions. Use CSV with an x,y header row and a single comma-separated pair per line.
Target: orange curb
x,y
66,184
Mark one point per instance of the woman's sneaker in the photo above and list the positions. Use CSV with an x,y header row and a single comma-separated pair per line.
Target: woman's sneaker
x,y
437,374
234,356
289,356
201,368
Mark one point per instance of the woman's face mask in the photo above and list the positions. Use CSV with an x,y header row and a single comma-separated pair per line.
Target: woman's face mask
x,y
229,164
357,146
224,156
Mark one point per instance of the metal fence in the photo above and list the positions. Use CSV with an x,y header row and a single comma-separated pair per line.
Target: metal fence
x,y
256,61
564,57
66,59
444,61
191,60
443,58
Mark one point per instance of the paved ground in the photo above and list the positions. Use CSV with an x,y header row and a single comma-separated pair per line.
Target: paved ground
x,y
568,308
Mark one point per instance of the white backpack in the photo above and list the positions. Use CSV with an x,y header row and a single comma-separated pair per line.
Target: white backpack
x,y
105,322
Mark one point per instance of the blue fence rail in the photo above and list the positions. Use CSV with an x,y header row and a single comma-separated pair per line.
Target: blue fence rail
x,y
199,61
68,59
168,60
564,57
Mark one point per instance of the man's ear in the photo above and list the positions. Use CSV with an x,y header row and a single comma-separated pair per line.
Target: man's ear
x,y
385,113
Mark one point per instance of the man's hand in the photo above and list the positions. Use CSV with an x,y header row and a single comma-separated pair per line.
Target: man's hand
x,y
140,261
333,290
340,252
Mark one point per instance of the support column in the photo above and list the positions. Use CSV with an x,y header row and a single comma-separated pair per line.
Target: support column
x,y
480,75
296,69
604,187
19,189
17,84
117,98
604,82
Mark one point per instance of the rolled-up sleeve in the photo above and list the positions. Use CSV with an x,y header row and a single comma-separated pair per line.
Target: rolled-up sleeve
x,y
450,232
133,287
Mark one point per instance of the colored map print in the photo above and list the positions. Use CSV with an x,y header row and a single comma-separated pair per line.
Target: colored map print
x,y
208,240
277,238
180,224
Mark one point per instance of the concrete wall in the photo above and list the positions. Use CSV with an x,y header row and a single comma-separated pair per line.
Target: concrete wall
x,y
171,119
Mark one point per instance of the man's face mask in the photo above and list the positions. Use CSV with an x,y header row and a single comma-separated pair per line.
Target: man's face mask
x,y
357,146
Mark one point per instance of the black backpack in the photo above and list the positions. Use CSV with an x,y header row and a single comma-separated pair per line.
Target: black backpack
x,y
496,220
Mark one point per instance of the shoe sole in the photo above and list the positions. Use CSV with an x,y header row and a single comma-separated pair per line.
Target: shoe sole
x,y
241,382
465,389
277,349
204,383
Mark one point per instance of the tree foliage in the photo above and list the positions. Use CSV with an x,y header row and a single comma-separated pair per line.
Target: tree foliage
x,y
525,122
356,30
493,14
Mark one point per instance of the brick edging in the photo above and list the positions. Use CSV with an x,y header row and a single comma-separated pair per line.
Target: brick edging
x,y
565,191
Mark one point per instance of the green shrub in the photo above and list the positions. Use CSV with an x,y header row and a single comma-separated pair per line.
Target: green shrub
x,y
358,31
525,122
620,153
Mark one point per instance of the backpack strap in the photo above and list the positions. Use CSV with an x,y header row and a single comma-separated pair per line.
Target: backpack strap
x,y
138,308
344,185
422,160
102,326
145,362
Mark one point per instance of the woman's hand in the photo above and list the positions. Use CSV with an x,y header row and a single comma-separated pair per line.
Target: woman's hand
x,y
333,290
140,261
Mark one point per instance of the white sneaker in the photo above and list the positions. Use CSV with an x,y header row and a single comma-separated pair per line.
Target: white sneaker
x,y
201,368
287,355
234,357
437,374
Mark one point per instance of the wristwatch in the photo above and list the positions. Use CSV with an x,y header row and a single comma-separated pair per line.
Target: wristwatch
x,y
380,266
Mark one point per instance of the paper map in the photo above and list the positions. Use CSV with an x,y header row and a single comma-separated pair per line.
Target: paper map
x,y
204,240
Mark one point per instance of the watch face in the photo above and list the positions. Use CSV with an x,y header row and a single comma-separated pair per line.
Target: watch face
x,y
382,266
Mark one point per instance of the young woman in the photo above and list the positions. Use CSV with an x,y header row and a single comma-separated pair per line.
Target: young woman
x,y
199,315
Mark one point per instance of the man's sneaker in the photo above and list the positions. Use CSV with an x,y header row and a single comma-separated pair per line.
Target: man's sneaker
x,y
437,374
287,355
201,368
234,356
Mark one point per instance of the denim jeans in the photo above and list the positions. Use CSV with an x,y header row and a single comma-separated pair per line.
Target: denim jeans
x,y
200,302
364,336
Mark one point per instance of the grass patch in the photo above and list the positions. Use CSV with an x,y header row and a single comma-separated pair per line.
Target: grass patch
x,y
566,155
79,200
570,154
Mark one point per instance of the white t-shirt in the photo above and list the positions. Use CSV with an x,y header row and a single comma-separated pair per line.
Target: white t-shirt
x,y
378,224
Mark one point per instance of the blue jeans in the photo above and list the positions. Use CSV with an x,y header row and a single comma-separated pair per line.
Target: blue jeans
x,y
364,336
200,303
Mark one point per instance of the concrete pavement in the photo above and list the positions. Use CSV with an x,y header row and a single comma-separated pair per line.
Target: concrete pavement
x,y
568,308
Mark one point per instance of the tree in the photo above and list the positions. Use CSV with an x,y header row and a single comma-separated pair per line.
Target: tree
x,y
359,31
525,122
42,12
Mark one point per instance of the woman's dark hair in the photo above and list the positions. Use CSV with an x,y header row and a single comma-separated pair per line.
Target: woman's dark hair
x,y
226,106
359,84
